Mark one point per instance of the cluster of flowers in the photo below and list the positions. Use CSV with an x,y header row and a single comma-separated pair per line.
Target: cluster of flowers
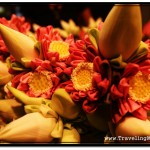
x,y
54,78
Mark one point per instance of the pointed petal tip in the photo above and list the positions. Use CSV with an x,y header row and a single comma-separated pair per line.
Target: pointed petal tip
x,y
19,44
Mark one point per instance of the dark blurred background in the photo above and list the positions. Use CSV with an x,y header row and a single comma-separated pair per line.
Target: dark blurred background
x,y
51,13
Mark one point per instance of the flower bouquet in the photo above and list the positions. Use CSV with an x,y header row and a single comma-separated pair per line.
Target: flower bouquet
x,y
59,85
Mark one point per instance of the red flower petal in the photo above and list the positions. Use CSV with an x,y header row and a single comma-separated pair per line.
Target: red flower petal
x,y
89,107
130,70
75,96
92,95
115,93
140,113
124,87
96,64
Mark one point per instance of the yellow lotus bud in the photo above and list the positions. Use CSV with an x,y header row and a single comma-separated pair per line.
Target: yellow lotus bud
x,y
31,128
130,127
70,135
19,45
121,32
22,97
10,109
62,103
5,77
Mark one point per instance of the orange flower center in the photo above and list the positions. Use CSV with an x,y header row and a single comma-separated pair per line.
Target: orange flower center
x,y
41,82
82,76
140,87
61,47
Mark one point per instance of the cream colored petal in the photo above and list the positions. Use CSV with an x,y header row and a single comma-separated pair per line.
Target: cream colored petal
x,y
19,45
70,136
31,128
62,103
10,109
58,129
131,126
22,97
121,32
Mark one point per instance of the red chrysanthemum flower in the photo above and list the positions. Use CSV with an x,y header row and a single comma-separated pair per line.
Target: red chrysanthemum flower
x,y
40,82
87,85
132,94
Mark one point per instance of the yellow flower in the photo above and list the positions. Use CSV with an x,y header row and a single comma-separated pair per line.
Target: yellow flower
x,y
139,89
78,76
61,47
19,45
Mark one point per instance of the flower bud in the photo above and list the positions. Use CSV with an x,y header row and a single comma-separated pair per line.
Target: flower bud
x,y
31,128
5,77
62,103
122,32
19,45
131,126
10,109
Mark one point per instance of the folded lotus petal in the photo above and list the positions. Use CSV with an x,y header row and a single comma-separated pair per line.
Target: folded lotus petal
x,y
58,129
121,32
140,53
10,109
19,45
5,76
62,103
70,135
94,37
32,127
131,126
22,97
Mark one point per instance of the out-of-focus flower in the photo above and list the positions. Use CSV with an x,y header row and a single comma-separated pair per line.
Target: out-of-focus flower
x,y
5,76
31,128
70,135
10,110
92,24
68,28
121,36
146,29
131,95
19,45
